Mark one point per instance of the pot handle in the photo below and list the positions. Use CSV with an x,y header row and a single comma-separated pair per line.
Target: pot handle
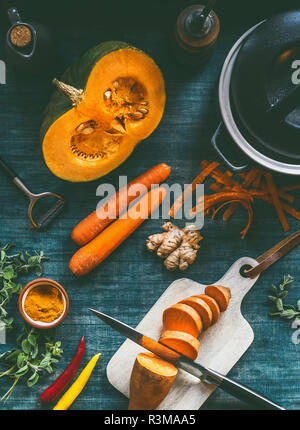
x,y
214,141
280,110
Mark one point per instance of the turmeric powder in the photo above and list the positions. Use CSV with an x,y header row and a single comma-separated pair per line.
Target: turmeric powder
x,y
44,303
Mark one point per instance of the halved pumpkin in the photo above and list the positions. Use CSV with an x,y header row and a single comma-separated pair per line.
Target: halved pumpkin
x,y
108,102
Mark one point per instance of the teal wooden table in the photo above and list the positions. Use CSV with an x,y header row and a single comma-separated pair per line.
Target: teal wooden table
x,y
128,283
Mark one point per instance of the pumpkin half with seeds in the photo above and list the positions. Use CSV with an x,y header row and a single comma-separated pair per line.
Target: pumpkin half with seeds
x,y
104,105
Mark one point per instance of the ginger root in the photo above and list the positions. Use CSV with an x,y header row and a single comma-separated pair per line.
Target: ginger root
x,y
177,246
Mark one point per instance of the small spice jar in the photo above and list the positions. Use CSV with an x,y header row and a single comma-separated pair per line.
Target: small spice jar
x,y
43,303
30,46
195,38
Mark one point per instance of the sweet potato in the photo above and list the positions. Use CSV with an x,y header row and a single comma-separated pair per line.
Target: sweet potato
x,y
182,342
202,308
220,294
159,349
181,317
210,301
151,380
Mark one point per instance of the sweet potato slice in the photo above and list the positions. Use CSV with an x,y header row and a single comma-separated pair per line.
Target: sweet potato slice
x,y
151,380
210,301
220,294
182,342
202,308
181,317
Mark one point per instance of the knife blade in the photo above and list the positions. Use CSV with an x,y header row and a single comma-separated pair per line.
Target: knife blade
x,y
205,374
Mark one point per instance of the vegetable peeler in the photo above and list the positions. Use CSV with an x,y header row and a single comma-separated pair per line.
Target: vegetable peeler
x,y
205,374
50,214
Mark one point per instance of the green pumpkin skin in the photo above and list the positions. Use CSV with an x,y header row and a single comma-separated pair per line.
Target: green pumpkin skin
x,y
77,76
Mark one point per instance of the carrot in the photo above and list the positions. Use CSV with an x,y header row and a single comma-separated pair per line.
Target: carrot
x,y
231,192
286,196
191,188
182,342
219,176
249,178
151,380
290,187
291,211
282,194
217,188
288,209
202,308
98,220
213,199
247,206
275,198
221,207
210,301
257,180
181,317
92,254
250,218
220,294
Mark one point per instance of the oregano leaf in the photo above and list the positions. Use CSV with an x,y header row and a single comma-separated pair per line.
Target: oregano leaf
x,y
33,379
26,346
288,313
279,304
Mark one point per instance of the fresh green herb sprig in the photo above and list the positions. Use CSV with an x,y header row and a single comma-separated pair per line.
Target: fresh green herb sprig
x,y
37,351
278,295
11,266
36,354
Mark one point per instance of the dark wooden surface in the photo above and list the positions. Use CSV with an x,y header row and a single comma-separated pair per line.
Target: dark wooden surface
x,y
130,281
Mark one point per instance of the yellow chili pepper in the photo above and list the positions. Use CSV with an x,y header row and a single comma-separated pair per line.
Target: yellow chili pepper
x,y
73,392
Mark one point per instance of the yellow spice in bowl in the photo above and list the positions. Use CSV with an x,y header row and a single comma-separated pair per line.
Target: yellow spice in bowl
x,y
44,303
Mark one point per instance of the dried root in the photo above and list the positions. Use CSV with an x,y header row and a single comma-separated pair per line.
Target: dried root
x,y
177,246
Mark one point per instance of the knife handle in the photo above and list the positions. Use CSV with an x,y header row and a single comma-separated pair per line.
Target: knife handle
x,y
239,391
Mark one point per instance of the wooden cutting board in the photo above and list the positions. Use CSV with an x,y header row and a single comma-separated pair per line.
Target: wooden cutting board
x,y
221,346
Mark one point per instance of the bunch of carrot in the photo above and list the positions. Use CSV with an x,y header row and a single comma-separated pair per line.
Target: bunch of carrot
x,y
100,236
231,191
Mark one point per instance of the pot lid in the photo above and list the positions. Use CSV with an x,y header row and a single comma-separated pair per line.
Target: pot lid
x,y
264,88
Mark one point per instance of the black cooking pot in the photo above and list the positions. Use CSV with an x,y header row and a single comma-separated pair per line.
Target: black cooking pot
x,y
259,96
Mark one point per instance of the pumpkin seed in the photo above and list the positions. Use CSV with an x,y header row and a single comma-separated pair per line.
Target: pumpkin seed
x,y
115,84
87,130
138,115
88,124
143,110
107,95
80,127
144,103
108,147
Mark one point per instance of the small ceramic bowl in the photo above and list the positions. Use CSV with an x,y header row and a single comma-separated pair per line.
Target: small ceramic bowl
x,y
34,284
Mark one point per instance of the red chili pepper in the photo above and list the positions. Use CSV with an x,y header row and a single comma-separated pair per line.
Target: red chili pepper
x,y
63,380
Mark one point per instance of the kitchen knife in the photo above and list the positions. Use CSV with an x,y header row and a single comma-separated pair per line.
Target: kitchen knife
x,y
205,374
